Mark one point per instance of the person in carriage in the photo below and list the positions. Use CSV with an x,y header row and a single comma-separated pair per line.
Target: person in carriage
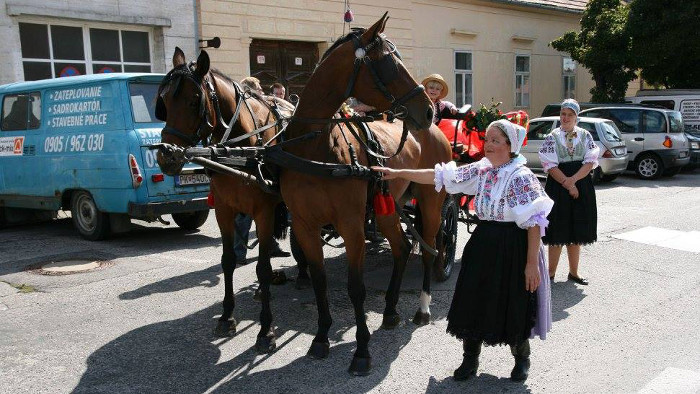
x,y
436,88
502,295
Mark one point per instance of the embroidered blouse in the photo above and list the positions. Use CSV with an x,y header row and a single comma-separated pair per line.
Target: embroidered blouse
x,y
554,149
507,193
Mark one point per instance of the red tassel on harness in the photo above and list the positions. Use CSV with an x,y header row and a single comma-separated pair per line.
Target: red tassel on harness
x,y
379,204
210,200
390,205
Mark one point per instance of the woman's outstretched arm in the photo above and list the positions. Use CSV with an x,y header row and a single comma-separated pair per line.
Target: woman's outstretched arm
x,y
425,176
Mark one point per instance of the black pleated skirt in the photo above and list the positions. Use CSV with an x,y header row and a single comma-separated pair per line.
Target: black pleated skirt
x,y
571,221
490,303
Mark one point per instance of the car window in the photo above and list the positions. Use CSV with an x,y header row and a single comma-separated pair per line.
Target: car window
x,y
21,111
551,110
143,101
654,122
610,132
676,121
591,129
626,120
537,130
662,103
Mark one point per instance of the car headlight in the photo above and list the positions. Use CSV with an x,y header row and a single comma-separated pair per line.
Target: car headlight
x,y
695,145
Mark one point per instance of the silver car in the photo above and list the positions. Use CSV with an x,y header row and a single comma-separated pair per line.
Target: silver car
x,y
613,150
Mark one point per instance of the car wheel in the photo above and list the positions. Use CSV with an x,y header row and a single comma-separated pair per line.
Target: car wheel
x,y
191,220
596,175
672,171
91,223
649,166
608,178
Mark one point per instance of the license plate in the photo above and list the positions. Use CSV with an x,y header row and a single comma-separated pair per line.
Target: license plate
x,y
191,179
683,154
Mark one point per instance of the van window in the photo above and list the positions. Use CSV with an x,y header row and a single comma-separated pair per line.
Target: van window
x,y
21,111
669,104
539,130
626,120
654,122
676,121
143,102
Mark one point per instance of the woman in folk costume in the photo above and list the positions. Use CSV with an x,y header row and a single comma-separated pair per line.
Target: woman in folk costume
x,y
500,296
568,155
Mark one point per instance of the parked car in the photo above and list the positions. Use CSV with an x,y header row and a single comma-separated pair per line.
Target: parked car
x,y
654,137
687,102
82,144
613,151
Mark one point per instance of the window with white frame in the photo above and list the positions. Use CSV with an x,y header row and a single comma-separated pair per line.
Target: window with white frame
x,y
522,80
463,78
53,50
569,78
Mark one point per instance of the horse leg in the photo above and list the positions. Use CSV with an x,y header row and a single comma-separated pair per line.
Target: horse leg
x,y
265,342
310,242
226,326
354,238
430,206
400,250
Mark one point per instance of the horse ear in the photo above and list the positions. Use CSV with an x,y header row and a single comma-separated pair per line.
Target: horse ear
x,y
178,57
378,27
202,64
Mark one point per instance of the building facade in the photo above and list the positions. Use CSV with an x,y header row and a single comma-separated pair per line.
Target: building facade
x,y
485,49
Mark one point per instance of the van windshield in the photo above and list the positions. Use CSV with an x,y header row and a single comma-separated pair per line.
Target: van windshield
x,y
676,121
143,101
610,132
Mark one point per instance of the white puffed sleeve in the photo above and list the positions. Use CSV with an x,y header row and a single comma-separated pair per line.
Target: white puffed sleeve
x,y
463,179
592,150
548,153
528,201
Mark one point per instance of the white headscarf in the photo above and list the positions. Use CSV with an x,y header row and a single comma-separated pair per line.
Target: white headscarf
x,y
515,133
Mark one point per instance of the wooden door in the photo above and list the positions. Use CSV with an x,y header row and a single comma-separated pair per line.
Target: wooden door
x,y
287,62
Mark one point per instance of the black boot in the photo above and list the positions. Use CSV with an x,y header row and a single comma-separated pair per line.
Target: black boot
x,y
522,361
471,360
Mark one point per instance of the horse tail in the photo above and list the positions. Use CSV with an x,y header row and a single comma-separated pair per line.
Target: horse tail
x,y
281,221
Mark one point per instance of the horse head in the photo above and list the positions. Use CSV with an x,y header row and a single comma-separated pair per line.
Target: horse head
x,y
184,103
376,75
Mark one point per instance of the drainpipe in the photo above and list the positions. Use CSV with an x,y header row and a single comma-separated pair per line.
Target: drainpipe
x,y
196,27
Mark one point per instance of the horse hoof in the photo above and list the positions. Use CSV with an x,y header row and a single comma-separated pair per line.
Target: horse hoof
x,y
360,366
266,344
421,318
391,321
303,283
225,328
319,350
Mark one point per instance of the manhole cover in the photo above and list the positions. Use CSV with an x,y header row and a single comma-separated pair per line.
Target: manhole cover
x,y
68,267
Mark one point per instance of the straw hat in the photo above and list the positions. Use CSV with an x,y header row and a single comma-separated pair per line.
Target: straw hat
x,y
439,79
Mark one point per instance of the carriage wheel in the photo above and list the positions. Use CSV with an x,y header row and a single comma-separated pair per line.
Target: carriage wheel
x,y
446,240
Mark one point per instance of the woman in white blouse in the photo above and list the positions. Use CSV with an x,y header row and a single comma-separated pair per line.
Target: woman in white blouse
x,y
568,155
500,296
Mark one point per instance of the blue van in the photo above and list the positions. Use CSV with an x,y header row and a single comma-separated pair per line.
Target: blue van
x,y
81,144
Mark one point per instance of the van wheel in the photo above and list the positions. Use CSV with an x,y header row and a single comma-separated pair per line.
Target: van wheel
x,y
191,220
649,166
91,223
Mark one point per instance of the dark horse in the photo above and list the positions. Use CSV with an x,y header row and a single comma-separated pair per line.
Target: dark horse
x,y
196,103
363,64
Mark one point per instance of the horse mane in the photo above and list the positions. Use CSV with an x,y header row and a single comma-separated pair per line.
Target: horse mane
x,y
355,31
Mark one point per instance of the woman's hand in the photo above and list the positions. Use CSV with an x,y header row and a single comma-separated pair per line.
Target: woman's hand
x,y
568,183
573,192
453,111
387,173
532,275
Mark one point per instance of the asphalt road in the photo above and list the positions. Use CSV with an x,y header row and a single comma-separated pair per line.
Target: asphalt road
x,y
143,322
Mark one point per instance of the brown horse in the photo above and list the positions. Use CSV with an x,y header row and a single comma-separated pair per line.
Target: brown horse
x,y
363,64
196,102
